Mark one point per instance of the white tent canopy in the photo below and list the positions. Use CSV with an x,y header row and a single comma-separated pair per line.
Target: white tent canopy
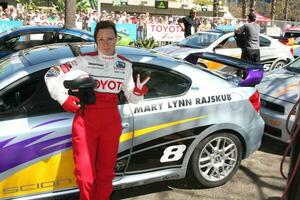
x,y
228,15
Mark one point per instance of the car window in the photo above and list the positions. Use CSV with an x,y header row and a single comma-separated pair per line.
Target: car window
x,y
294,66
25,41
63,37
229,43
201,40
162,83
264,42
27,97
9,65
292,34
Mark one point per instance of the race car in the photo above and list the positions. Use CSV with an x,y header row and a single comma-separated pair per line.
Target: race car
x,y
279,91
24,37
191,121
273,54
29,36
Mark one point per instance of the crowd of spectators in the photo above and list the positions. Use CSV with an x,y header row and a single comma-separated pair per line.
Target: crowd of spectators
x,y
122,17
140,19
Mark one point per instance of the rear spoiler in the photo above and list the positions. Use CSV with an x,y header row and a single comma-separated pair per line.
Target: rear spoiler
x,y
252,72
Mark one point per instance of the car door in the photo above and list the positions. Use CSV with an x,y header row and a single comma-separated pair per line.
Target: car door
x,y
267,52
35,140
153,130
126,138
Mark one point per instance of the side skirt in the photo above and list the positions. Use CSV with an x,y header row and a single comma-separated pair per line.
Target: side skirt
x,y
149,177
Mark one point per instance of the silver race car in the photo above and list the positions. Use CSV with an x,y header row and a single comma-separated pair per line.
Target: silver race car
x,y
191,120
272,52
279,91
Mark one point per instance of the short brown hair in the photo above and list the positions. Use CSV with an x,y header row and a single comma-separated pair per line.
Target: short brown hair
x,y
252,16
103,25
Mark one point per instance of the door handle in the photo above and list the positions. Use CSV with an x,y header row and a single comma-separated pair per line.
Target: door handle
x,y
125,125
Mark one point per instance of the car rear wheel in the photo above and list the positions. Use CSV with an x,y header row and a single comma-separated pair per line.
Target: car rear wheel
x,y
278,64
216,159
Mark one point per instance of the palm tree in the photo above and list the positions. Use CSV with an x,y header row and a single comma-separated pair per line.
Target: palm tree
x,y
70,12
273,9
286,10
244,8
252,4
215,8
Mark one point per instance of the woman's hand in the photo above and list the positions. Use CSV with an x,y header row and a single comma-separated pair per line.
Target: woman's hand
x,y
140,88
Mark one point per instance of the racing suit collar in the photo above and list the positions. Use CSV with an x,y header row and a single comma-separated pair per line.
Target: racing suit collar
x,y
105,57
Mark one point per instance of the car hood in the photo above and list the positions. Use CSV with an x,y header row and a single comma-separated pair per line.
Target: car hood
x,y
177,51
280,84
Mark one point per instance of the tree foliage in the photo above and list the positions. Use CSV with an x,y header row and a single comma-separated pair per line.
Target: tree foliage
x,y
264,8
27,5
148,43
203,2
81,6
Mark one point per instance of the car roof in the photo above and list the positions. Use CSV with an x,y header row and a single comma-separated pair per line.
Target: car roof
x,y
219,31
41,28
63,51
39,58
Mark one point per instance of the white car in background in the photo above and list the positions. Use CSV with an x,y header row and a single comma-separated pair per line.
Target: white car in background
x,y
272,52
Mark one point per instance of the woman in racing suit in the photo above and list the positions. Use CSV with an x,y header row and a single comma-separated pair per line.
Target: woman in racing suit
x,y
95,135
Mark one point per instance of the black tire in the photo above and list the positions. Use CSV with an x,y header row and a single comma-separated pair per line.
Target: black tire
x,y
226,165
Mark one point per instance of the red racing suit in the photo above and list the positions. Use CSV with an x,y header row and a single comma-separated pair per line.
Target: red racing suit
x,y
95,135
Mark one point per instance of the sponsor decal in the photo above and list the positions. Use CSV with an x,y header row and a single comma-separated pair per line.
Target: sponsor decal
x,y
92,65
30,149
161,32
120,65
53,72
181,103
96,64
73,63
65,67
36,186
109,84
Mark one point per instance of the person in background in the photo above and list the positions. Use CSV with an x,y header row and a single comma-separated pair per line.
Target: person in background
x,y
141,27
189,24
205,25
250,33
96,132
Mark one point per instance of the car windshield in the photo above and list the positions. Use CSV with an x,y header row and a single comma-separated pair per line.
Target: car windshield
x,y
9,65
5,33
200,40
292,34
294,66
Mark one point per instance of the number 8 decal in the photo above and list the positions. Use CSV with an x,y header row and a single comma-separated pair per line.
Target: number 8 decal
x,y
173,153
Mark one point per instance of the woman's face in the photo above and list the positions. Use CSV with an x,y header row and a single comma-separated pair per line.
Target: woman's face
x,y
106,41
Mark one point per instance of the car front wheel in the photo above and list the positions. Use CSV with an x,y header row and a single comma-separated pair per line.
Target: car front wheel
x,y
278,64
216,159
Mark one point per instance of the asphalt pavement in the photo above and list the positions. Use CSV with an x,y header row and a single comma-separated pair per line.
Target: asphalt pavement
x,y
258,178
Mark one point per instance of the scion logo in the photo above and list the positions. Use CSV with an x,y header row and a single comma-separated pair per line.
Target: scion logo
x,y
36,186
